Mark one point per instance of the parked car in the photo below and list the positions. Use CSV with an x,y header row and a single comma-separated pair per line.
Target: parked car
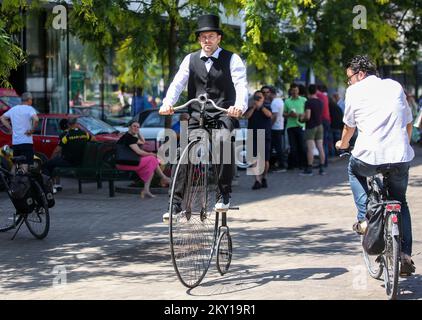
x,y
117,121
8,99
152,125
46,135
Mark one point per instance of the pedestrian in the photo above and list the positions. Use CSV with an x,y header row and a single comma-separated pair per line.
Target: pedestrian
x,y
21,121
259,118
70,150
220,74
337,124
294,106
56,159
314,131
277,129
148,161
326,119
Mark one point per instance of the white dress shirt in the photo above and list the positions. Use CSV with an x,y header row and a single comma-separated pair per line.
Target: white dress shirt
x,y
238,74
378,108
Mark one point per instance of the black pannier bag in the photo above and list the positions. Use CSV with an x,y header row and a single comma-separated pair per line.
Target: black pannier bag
x,y
47,186
21,194
373,239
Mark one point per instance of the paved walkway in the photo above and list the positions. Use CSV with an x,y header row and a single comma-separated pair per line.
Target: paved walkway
x,y
291,241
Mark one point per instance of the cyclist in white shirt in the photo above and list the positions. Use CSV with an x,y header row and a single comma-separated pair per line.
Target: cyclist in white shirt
x,y
378,108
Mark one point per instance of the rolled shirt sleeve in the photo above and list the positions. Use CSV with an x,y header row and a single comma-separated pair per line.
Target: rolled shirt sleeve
x,y
179,83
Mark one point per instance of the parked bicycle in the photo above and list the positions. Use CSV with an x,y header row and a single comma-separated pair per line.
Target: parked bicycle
x,y
195,232
386,263
33,209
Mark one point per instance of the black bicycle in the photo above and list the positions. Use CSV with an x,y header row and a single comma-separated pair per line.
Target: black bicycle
x,y
195,232
388,262
38,219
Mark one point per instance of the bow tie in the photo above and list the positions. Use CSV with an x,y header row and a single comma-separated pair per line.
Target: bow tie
x,y
205,59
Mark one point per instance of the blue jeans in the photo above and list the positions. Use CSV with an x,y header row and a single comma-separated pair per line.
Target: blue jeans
x,y
359,170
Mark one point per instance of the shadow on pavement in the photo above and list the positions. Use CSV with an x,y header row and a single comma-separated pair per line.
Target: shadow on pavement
x,y
241,279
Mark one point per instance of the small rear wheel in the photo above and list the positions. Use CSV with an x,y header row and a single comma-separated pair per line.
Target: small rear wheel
x,y
38,221
224,252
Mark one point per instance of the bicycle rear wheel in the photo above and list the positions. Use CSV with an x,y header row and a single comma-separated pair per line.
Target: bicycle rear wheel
x,y
224,252
373,264
193,231
391,259
38,221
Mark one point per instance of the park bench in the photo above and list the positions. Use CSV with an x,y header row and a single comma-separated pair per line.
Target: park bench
x,y
97,165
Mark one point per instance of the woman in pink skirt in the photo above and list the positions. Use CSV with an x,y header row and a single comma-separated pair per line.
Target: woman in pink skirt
x,y
148,164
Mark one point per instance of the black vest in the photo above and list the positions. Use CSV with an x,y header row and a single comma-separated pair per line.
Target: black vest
x,y
217,83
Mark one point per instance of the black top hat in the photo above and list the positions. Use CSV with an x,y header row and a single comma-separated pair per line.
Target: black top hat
x,y
208,22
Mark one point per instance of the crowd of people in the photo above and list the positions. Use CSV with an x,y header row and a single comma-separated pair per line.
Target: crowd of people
x,y
306,123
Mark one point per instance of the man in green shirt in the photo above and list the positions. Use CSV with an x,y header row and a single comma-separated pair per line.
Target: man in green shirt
x,y
294,107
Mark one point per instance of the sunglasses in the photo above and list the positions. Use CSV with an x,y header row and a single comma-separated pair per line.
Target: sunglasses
x,y
348,81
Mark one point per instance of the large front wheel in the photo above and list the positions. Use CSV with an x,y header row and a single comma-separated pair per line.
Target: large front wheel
x,y
193,230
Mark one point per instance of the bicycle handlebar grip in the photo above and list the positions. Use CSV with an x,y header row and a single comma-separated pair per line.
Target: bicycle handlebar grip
x,y
344,152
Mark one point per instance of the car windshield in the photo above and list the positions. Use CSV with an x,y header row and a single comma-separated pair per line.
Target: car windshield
x,y
96,126
11,101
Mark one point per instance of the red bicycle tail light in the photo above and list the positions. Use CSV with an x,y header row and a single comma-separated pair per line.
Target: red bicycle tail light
x,y
393,207
394,219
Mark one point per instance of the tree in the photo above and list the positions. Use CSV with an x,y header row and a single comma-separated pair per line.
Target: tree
x,y
11,22
392,33
11,57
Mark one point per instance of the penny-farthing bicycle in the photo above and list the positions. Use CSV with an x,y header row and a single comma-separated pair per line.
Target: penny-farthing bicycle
x,y
196,231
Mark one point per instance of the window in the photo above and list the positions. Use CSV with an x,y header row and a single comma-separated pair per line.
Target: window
x,y
154,120
52,128
38,129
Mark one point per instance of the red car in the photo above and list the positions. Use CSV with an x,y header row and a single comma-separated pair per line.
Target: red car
x,y
46,136
8,99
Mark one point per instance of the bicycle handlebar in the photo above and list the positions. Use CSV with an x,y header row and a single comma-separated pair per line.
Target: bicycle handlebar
x,y
344,152
202,98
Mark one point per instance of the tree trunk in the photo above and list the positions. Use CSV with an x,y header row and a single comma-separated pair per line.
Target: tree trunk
x,y
172,50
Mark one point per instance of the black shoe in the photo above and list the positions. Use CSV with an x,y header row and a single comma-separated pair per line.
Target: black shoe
x,y
264,183
322,171
256,185
307,172
407,266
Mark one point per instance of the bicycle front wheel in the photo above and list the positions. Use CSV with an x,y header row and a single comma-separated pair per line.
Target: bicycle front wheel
x,y
8,217
194,229
38,221
391,259
373,264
